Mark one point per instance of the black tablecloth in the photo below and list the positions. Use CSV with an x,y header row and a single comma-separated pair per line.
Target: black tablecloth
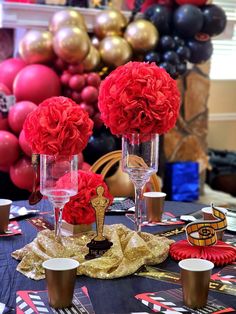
x,y
107,296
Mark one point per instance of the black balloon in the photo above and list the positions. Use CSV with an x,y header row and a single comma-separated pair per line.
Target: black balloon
x,y
183,52
181,68
214,20
188,20
160,16
201,51
152,56
178,41
99,145
171,57
170,68
166,43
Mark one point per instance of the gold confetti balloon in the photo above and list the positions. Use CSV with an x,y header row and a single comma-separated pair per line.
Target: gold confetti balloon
x,y
71,44
142,35
64,18
115,50
109,22
36,47
92,59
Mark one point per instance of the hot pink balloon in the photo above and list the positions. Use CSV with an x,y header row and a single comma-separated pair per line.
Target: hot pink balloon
x,y
18,114
9,69
24,145
9,148
36,82
22,174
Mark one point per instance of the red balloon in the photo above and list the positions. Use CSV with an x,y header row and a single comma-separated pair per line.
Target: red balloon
x,y
194,2
24,145
85,166
18,113
3,120
5,169
36,82
148,3
9,148
9,69
22,174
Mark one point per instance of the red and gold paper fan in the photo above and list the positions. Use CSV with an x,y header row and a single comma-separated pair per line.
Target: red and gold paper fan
x,y
220,254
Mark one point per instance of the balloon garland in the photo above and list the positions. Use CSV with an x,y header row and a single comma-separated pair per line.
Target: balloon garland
x,y
67,60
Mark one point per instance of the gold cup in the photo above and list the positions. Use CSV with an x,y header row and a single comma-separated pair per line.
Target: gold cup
x,y
154,205
60,277
5,206
207,215
195,278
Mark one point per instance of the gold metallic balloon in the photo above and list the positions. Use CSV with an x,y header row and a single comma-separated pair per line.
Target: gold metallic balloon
x,y
109,22
36,47
71,44
92,59
142,35
115,50
66,18
95,42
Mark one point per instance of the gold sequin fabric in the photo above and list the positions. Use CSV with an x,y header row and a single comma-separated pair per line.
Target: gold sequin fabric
x,y
130,250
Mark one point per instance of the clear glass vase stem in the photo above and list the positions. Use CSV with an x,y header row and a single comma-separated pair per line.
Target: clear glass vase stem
x,y
138,208
58,222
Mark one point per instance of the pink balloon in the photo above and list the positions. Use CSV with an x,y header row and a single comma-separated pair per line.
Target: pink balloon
x,y
22,174
9,148
24,145
36,82
18,113
9,69
3,120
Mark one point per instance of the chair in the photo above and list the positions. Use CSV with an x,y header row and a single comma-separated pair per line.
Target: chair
x,y
119,182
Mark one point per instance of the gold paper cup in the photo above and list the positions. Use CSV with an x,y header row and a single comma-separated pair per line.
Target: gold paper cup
x,y
195,278
207,215
5,206
154,205
60,277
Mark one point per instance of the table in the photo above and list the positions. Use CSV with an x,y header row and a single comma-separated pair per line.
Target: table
x,y
107,296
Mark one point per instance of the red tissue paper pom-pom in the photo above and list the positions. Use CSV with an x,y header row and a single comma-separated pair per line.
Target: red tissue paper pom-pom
x,y
139,97
220,254
79,209
58,126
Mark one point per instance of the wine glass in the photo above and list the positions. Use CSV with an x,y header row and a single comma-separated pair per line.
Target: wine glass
x,y
140,161
52,169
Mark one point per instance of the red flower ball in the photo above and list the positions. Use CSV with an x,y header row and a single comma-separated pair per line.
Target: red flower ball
x,y
139,97
79,210
58,126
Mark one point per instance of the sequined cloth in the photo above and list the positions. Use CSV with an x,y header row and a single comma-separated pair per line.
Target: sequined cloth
x,y
129,252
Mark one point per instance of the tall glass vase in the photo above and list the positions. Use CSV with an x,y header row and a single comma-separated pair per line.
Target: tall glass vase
x,y
140,161
52,169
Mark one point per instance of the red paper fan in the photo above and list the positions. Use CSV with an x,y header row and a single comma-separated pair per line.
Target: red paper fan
x,y
220,254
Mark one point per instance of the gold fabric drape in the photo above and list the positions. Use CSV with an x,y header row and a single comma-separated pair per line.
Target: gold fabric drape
x,y
129,252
